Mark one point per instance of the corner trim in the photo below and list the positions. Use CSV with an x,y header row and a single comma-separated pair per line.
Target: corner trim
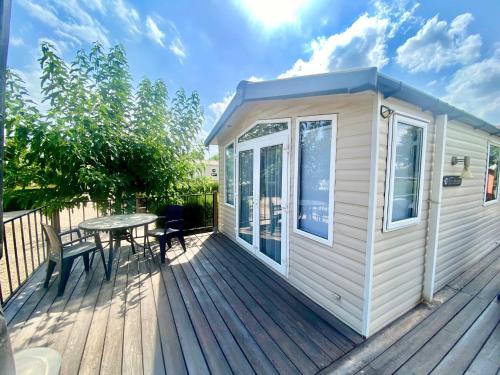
x,y
372,215
440,124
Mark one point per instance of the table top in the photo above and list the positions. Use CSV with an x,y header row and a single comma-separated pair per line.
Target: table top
x,y
116,222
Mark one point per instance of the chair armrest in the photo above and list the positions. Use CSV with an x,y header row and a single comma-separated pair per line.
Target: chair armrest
x,y
70,233
175,224
80,239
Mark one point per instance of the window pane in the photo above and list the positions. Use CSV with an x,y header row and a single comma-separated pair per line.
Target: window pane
x,y
263,129
229,173
407,171
492,173
270,214
245,183
315,138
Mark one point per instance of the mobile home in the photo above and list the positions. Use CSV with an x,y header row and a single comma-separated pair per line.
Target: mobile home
x,y
364,193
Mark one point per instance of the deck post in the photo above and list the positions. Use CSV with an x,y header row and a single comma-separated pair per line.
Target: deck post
x,y
55,221
215,201
7,365
441,124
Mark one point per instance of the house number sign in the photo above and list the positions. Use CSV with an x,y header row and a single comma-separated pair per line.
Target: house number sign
x,y
452,181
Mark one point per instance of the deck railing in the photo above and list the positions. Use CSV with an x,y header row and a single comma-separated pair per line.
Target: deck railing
x,y
24,243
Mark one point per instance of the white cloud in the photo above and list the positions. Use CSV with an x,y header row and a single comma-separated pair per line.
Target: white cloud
x,y
172,36
60,46
96,5
16,41
31,77
476,88
361,44
79,24
154,32
438,45
218,108
255,79
177,48
128,15
399,14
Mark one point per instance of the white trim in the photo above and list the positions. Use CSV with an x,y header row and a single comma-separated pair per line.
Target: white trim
x,y
283,138
372,217
413,121
234,175
255,123
440,124
493,201
333,118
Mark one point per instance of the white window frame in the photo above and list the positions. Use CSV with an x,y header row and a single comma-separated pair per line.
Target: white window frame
x,y
333,118
389,183
234,175
487,203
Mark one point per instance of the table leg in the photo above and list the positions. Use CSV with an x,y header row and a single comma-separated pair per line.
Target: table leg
x,y
110,255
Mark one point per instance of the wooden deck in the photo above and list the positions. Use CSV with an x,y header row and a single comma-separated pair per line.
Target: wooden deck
x,y
214,309
217,310
459,334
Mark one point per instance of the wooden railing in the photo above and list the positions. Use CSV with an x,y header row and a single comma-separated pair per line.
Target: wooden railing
x,y
24,243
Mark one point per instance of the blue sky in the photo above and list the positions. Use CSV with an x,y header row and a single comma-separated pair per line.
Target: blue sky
x,y
452,51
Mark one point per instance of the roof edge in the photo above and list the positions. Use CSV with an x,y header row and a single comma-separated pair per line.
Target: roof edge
x,y
343,82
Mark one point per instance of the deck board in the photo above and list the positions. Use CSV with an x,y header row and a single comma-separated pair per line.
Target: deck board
x,y
453,336
92,355
216,309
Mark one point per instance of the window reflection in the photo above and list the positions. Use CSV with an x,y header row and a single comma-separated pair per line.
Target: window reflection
x,y
492,173
245,172
271,162
263,129
229,173
407,171
315,139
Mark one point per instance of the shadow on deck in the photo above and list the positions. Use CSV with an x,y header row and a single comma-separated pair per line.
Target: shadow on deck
x,y
214,309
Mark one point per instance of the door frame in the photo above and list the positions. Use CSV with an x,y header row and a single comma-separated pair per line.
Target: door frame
x,y
282,137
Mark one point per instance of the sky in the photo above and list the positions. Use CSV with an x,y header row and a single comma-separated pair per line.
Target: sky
x,y
450,49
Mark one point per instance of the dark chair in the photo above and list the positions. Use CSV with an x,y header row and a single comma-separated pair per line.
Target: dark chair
x,y
63,255
174,228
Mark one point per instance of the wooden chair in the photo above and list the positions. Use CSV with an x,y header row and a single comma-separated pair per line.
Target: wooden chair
x,y
174,228
63,255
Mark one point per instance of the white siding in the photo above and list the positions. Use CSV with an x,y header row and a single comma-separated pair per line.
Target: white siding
x,y
468,228
318,270
398,266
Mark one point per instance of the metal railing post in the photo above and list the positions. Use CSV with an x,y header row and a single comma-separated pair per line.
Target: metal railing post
x,y
215,202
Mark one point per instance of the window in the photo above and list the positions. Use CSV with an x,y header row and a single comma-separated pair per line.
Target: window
x,y
315,155
407,138
229,174
491,185
262,129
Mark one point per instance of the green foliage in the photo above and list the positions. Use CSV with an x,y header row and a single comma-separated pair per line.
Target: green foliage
x,y
99,139
202,185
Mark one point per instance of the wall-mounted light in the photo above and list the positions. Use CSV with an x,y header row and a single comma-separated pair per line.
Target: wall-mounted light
x,y
385,111
466,162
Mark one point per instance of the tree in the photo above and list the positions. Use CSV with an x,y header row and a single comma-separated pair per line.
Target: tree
x,y
98,139
22,117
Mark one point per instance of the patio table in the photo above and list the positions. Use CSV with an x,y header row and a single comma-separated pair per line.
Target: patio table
x,y
114,223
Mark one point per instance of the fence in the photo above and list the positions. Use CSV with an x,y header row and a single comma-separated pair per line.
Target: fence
x,y
24,243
